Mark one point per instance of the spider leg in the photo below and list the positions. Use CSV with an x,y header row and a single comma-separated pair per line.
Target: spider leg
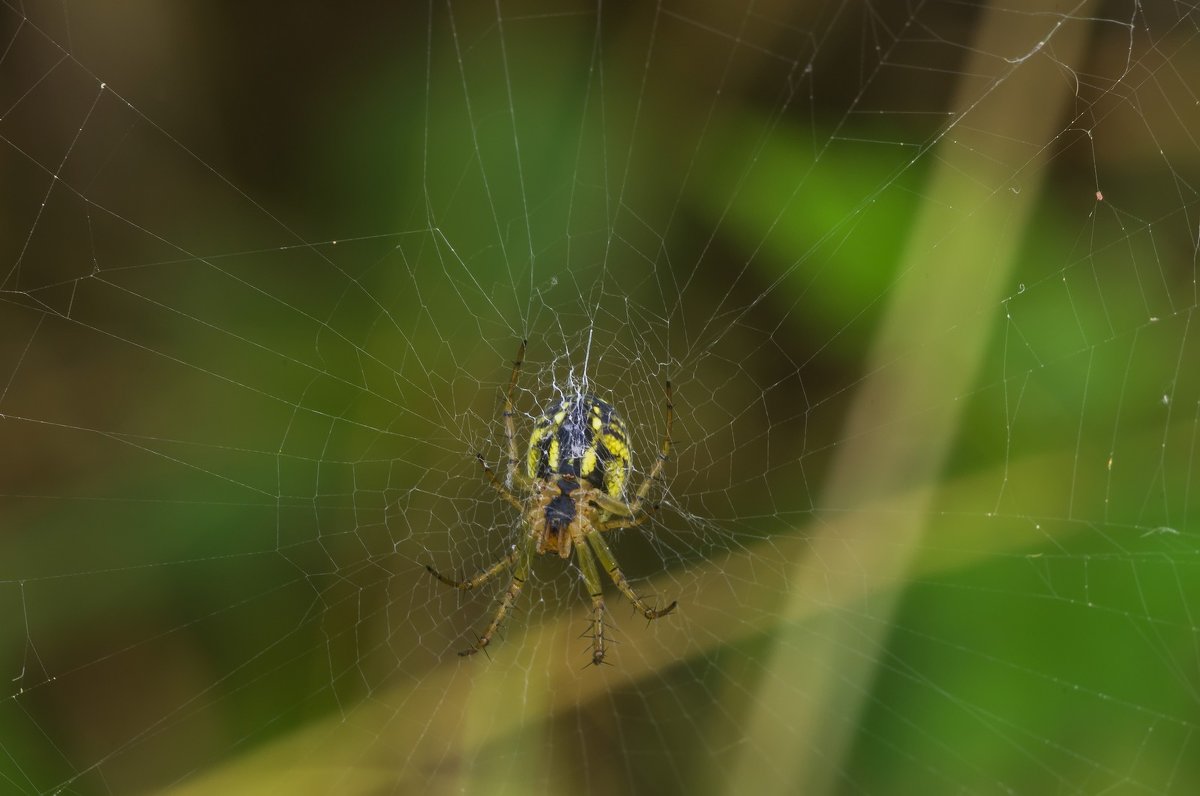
x,y
624,514
610,505
621,522
591,579
512,472
523,555
609,562
664,453
497,485
481,578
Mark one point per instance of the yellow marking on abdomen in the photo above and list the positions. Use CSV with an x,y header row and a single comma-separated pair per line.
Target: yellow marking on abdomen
x,y
588,463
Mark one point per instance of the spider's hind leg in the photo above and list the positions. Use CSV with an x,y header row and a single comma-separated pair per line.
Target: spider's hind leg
x,y
497,485
512,473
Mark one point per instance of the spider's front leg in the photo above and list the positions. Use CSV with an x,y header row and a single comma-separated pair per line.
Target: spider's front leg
x,y
521,556
591,580
506,604
481,578
609,562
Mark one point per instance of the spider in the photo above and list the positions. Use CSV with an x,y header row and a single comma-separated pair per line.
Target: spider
x,y
574,479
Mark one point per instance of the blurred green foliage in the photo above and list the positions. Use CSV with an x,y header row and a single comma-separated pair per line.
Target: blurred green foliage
x,y
259,337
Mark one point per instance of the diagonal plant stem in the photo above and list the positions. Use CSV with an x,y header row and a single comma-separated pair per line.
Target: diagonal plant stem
x,y
930,344
419,727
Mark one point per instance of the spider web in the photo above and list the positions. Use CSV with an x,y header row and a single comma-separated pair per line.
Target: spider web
x,y
922,276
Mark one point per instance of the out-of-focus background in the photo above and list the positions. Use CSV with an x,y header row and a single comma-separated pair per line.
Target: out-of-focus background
x,y
922,276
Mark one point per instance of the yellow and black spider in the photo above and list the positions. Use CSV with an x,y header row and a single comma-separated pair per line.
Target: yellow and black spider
x,y
574,479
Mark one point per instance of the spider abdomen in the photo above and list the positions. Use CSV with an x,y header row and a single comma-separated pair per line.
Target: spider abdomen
x,y
582,437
